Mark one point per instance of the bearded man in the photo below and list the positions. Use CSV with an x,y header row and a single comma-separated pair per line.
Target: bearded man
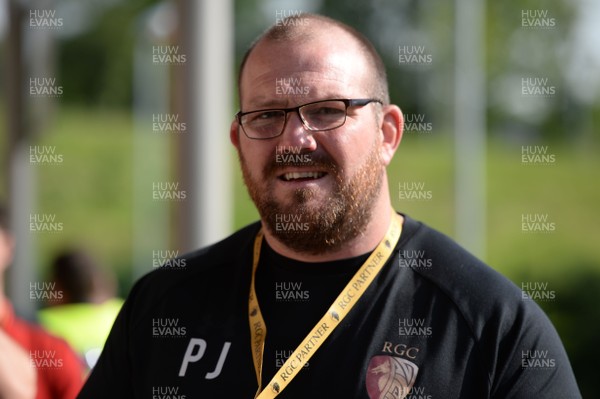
x,y
321,298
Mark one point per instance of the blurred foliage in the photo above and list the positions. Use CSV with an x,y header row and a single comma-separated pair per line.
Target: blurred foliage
x,y
96,67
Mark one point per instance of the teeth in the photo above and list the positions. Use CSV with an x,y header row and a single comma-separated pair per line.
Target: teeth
x,y
302,175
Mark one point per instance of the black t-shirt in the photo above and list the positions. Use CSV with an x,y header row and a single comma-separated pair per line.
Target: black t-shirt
x,y
435,317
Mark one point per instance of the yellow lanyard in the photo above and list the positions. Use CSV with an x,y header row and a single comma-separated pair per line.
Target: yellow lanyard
x,y
330,320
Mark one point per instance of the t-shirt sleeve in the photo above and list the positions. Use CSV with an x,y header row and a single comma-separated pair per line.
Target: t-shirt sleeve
x,y
532,362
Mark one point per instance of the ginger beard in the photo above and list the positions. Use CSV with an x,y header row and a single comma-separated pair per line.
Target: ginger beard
x,y
331,222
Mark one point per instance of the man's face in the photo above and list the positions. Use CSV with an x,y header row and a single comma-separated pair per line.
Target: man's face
x,y
313,189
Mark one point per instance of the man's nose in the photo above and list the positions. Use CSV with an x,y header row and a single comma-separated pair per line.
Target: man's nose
x,y
296,135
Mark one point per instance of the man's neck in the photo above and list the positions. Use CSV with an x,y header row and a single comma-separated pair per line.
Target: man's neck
x,y
366,242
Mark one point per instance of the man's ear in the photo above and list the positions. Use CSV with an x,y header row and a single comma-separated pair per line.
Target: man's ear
x,y
392,125
234,133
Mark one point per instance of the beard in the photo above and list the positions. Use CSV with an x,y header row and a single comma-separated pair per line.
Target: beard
x,y
311,227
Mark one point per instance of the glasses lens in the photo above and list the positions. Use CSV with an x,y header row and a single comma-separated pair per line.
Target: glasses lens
x,y
324,115
263,124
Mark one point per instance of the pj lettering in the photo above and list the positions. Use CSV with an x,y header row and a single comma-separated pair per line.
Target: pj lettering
x,y
195,351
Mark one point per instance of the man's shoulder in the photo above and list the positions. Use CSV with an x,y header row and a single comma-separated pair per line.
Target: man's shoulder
x,y
237,245
223,259
477,291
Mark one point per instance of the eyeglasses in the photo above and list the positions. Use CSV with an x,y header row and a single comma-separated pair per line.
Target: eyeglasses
x,y
316,116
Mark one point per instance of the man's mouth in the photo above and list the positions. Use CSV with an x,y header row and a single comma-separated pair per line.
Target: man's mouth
x,y
297,176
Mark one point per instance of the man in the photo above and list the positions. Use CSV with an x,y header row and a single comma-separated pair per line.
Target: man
x,y
33,363
320,299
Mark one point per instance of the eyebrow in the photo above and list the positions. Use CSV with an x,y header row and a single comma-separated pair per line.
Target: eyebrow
x,y
263,102
270,102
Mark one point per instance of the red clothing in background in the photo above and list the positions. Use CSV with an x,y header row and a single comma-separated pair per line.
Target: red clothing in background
x,y
59,370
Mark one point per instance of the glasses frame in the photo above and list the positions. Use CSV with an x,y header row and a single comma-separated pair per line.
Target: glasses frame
x,y
355,102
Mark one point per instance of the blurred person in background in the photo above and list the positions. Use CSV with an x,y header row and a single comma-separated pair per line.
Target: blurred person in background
x,y
33,363
88,307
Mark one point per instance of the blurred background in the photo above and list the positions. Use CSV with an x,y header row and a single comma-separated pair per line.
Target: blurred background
x,y
115,119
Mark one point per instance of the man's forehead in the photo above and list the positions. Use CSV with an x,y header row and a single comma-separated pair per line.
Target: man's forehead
x,y
316,56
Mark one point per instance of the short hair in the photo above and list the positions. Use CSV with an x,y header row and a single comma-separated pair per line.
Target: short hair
x,y
293,28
